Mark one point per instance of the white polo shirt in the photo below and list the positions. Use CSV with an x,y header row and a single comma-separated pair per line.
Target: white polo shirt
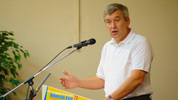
x,y
118,60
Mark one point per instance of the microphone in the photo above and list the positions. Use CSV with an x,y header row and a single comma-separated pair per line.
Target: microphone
x,y
83,43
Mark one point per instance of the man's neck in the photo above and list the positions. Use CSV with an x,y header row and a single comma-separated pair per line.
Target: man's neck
x,y
119,40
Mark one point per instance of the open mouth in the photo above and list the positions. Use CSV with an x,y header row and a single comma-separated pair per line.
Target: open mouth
x,y
114,32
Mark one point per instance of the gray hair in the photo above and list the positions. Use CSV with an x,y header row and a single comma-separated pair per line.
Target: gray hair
x,y
116,6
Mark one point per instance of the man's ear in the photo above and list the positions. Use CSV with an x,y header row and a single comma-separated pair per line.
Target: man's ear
x,y
128,21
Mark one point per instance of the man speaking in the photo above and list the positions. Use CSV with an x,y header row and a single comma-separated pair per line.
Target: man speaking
x,y
124,69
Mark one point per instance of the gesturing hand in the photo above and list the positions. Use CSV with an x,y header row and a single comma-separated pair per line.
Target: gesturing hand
x,y
69,82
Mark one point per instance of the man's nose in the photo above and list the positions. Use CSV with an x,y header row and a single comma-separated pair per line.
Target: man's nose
x,y
113,25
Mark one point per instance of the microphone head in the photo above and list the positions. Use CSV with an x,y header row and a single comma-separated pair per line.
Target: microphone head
x,y
92,41
83,43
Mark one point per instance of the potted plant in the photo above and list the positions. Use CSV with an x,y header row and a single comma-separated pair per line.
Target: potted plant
x,y
10,61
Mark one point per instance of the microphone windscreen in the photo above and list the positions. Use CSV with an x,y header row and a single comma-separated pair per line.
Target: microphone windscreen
x,y
92,41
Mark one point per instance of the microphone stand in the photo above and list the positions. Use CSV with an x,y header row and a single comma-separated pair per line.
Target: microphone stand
x,y
32,92
30,80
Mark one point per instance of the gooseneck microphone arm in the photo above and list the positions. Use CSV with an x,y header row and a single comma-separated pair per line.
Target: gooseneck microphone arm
x,y
30,79
55,62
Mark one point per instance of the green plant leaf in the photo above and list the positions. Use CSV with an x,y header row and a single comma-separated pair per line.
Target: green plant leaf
x,y
14,93
5,71
6,54
25,55
17,50
13,70
14,53
10,33
14,82
2,77
22,51
19,66
11,39
17,58
4,34
15,45
3,64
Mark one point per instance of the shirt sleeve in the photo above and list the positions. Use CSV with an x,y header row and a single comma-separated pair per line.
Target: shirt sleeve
x,y
100,72
142,56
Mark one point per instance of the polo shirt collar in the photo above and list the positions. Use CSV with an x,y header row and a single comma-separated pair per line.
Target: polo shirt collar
x,y
130,36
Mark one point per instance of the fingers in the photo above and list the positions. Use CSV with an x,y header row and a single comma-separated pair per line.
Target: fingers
x,y
63,80
64,84
66,73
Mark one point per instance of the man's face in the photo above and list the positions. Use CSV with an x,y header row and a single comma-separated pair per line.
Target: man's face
x,y
117,26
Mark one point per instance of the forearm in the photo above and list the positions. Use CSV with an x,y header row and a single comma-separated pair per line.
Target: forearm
x,y
128,86
71,82
91,83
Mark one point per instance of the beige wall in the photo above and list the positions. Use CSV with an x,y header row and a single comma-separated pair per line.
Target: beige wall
x,y
45,27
